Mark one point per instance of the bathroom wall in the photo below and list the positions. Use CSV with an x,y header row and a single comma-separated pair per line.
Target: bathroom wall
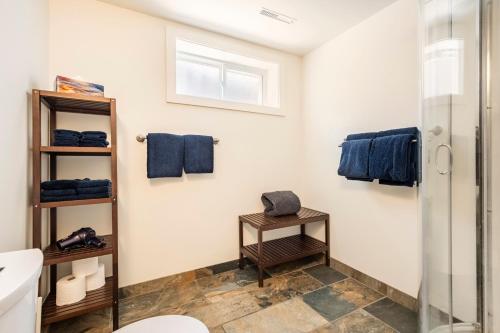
x,y
364,80
168,226
23,66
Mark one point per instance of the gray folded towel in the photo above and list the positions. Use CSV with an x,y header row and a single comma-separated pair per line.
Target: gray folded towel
x,y
280,203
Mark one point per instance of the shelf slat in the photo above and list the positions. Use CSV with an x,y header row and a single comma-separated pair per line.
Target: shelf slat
x,y
285,249
69,203
76,103
52,255
76,151
95,299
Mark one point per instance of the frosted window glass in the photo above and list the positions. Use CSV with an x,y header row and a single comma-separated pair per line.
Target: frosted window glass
x,y
198,79
243,87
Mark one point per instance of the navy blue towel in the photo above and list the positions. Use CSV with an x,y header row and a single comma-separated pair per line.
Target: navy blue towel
x,y
391,158
81,183
56,193
93,190
165,155
354,159
93,143
199,154
64,133
368,135
94,135
58,198
60,184
84,196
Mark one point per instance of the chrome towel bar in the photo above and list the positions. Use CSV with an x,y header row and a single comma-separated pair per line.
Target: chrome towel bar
x,y
142,138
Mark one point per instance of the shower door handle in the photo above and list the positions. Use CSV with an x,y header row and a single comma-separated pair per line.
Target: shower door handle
x,y
438,148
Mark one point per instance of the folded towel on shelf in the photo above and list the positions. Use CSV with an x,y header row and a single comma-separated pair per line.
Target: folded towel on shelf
x,y
391,158
61,192
59,184
48,198
198,154
280,203
66,142
87,182
64,133
83,196
94,190
94,135
93,143
354,159
165,155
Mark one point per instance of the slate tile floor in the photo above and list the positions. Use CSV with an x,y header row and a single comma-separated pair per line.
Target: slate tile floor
x,y
300,297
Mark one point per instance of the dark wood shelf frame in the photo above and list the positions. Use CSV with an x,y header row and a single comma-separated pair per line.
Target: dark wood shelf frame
x,y
76,151
52,255
79,104
281,250
95,300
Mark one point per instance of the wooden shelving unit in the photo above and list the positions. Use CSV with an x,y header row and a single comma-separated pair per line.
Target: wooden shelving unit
x,y
108,295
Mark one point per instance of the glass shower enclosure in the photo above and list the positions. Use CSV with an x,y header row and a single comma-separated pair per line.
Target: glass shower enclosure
x,y
454,64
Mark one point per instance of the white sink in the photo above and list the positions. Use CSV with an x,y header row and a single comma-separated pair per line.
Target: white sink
x,y
19,289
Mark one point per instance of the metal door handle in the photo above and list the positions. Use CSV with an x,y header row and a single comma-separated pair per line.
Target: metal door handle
x,y
448,147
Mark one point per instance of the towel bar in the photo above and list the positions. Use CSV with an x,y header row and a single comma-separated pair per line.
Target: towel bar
x,y
340,146
142,138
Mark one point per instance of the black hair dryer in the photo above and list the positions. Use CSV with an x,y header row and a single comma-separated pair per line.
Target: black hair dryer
x,y
85,237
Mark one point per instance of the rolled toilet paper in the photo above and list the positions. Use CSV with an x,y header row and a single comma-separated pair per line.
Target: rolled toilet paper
x,y
85,267
70,289
96,280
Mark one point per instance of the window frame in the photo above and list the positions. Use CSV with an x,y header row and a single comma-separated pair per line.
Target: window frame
x,y
222,44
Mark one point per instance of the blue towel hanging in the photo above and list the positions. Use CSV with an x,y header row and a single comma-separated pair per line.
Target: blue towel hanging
x,y
165,155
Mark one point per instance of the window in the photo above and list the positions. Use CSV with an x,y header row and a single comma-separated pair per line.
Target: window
x,y
212,77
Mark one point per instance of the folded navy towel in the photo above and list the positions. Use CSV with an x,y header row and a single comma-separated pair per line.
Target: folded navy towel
x,y
280,203
58,198
66,142
86,182
64,133
59,184
165,155
92,196
93,143
93,190
94,135
198,154
61,192
391,158
354,159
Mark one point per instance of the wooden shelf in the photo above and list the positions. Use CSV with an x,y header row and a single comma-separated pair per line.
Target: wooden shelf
x,y
76,151
52,255
69,203
75,103
95,299
285,249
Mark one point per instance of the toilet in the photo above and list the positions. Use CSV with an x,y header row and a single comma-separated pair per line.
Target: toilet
x,y
166,324
19,275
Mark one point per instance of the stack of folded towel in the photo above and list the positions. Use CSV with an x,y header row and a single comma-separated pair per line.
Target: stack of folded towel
x,y
93,139
63,137
280,203
389,156
75,189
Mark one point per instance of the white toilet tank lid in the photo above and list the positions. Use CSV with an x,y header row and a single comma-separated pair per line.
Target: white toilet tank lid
x,y
21,270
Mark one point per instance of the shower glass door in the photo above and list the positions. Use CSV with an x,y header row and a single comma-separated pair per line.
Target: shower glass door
x,y
451,222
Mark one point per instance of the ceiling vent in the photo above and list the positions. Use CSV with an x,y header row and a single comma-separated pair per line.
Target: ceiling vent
x,y
277,16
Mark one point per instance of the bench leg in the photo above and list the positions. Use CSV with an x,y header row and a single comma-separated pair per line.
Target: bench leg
x,y
261,277
242,259
327,241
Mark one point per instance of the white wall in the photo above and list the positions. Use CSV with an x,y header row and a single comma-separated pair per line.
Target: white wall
x,y
364,80
23,66
169,225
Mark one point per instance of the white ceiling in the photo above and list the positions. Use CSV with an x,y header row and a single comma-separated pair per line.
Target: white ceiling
x,y
317,20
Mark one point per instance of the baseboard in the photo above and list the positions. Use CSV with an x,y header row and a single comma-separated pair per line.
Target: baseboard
x,y
396,295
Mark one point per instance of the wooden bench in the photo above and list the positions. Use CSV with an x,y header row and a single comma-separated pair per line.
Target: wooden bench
x,y
281,250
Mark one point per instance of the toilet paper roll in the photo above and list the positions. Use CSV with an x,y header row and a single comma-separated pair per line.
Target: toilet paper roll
x,y
84,267
96,280
70,289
